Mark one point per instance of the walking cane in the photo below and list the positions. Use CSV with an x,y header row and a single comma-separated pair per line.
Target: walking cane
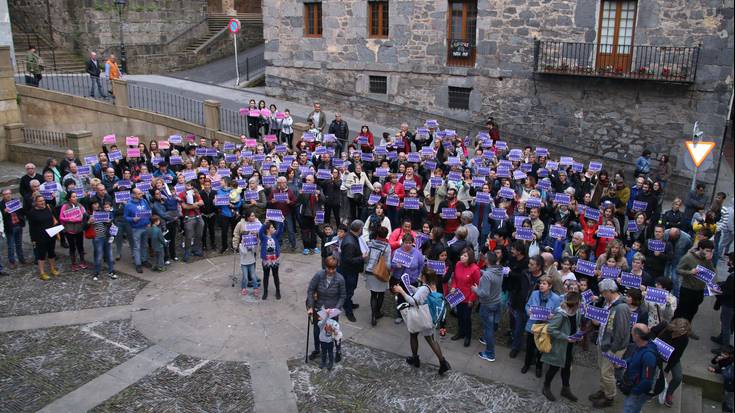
x,y
308,333
234,267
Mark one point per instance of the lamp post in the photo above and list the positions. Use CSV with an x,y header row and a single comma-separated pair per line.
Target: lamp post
x,y
120,5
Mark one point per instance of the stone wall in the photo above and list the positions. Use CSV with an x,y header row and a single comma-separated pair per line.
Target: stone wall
x,y
612,119
9,112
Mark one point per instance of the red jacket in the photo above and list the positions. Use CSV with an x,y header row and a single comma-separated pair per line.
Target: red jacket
x,y
396,237
371,142
398,190
464,278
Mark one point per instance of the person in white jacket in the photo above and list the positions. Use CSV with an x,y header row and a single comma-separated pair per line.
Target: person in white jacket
x,y
356,198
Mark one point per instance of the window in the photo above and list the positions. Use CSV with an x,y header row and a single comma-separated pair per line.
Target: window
x,y
614,45
461,36
313,19
459,97
378,18
379,84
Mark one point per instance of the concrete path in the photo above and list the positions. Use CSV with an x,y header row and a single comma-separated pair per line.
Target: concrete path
x,y
222,71
66,318
107,385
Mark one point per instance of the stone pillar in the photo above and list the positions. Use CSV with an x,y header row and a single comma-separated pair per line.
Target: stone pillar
x,y
211,117
11,134
81,142
228,7
298,129
120,90
9,111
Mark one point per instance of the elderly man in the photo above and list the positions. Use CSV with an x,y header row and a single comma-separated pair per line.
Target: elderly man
x,y
351,262
79,180
681,242
138,215
287,204
341,131
94,71
557,284
473,234
614,338
572,249
317,117
640,370
25,180
69,157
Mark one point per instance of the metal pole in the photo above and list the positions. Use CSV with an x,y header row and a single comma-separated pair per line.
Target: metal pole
x,y
237,68
123,55
51,33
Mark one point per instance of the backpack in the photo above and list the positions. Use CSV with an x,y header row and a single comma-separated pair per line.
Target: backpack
x,y
437,307
541,337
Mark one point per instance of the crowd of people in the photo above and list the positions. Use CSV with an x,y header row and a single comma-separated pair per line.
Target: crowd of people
x,y
571,254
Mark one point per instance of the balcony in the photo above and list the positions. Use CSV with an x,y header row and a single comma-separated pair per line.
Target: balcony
x,y
654,63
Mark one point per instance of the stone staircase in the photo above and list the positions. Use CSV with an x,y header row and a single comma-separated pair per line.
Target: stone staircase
x,y
217,22
58,61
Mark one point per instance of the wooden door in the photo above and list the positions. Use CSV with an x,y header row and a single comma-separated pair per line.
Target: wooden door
x,y
615,42
462,25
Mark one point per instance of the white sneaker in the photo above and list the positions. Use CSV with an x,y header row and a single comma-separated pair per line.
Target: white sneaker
x,y
168,262
95,278
112,276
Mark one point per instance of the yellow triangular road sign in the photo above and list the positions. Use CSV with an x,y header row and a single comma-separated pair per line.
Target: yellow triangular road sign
x,y
699,151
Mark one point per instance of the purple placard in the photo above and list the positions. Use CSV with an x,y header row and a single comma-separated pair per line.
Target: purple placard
x,y
414,157
47,195
632,226
406,280
525,234
615,361
566,160
595,166
558,232
498,214
449,213
175,139
552,165
179,188
430,165
319,217
587,296
381,150
145,214
222,200
113,230
144,186
402,258
122,196
519,175
578,336
323,174
455,298
410,203
329,137
704,274
438,267
269,180
501,145
533,203
101,216
283,168
374,199
436,181
356,188
274,215
90,160
304,170
639,206
506,271
230,158
515,155
664,348
544,184
609,272
630,280
392,200
13,205
561,198
577,167
188,175
249,240
175,160
280,196
483,198
228,146
311,189
252,195
420,239
518,220
656,295
79,192
200,151
542,152
381,172
454,176
585,267
483,170
124,184
50,186
539,313
409,184
656,245
597,314
633,319
115,155
592,213
223,172
506,193
606,231
542,173
502,172
367,156
247,170
216,185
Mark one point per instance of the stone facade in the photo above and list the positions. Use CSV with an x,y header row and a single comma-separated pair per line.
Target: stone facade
x,y
9,112
611,119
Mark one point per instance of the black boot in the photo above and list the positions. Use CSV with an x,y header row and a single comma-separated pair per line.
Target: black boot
x,y
567,393
413,361
547,392
444,366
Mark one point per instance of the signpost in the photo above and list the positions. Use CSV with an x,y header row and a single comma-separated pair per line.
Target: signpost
x,y
234,27
698,150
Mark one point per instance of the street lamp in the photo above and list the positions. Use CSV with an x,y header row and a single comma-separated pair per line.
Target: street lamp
x,y
120,5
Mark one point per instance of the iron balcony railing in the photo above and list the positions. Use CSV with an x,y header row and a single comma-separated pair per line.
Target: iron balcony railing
x,y
42,137
165,103
657,63
232,122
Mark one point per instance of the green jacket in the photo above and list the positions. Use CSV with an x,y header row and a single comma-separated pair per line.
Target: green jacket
x,y
559,330
34,63
687,263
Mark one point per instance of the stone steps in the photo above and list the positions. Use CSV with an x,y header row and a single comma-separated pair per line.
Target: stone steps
x,y
58,61
218,21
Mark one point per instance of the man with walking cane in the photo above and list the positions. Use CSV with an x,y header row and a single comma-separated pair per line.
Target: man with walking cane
x,y
326,290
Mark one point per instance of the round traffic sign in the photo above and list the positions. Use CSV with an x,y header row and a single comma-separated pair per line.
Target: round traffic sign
x,y
234,25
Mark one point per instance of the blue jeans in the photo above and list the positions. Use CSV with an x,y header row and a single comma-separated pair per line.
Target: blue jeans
x,y
350,285
670,271
140,245
634,403
15,244
103,251
248,274
291,229
95,80
519,324
123,231
489,314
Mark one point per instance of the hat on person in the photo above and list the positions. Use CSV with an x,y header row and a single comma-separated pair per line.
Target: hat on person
x,y
608,284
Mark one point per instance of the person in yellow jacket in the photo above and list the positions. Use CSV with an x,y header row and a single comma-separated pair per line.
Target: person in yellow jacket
x,y
112,71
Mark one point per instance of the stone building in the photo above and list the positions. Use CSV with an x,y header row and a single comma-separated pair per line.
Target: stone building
x,y
598,79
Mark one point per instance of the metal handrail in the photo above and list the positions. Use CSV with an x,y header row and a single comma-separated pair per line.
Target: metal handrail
x,y
211,40
180,35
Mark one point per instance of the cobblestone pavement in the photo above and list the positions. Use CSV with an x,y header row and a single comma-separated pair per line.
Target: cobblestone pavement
x,y
371,380
187,384
23,293
38,366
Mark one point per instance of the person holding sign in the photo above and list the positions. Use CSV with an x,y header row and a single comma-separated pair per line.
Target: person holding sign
x,y
13,223
691,294
138,213
564,324
41,223
354,181
421,297
406,260
544,299
488,292
308,205
451,203
246,242
73,217
101,221
614,338
675,334
227,210
270,254
466,274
